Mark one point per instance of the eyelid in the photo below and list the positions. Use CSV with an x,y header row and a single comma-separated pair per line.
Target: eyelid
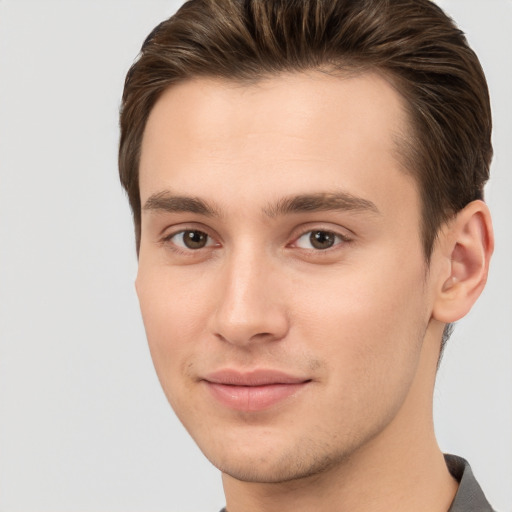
x,y
170,232
342,234
209,241
339,240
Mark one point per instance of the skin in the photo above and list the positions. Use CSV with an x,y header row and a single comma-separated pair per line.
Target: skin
x,y
360,321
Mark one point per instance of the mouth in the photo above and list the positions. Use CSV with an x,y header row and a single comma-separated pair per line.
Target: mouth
x,y
253,391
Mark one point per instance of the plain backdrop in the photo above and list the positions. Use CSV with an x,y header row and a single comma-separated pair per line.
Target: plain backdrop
x,y
84,425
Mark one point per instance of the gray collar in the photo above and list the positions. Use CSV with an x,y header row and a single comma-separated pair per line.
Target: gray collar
x,y
469,497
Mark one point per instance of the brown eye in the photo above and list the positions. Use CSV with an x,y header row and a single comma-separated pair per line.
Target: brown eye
x,y
191,239
195,239
322,239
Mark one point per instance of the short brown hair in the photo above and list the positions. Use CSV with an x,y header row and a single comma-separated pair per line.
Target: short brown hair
x,y
411,42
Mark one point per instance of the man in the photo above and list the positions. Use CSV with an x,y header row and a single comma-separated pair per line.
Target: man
x,y
306,179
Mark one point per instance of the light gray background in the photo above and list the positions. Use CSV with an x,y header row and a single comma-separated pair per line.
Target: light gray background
x,y
84,425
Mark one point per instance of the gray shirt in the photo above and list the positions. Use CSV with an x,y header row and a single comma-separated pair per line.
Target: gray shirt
x,y
469,497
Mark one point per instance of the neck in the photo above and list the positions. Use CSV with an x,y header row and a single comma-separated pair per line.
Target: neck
x,y
397,470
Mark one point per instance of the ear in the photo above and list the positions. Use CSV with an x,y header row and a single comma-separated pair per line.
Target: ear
x,y
466,247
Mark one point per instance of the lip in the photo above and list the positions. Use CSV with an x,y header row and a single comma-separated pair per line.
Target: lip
x,y
253,391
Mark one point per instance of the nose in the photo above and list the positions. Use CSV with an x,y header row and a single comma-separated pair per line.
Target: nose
x,y
250,307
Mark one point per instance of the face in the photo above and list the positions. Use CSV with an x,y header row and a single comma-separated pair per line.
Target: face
x,y
281,277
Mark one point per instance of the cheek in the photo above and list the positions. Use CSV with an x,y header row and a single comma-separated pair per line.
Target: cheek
x,y
368,322
174,319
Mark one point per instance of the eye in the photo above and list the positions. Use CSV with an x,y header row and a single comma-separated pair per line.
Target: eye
x,y
319,240
191,239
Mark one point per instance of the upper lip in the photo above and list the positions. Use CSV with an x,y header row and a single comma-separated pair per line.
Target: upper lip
x,y
257,377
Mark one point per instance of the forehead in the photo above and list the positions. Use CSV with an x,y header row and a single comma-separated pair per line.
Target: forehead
x,y
291,132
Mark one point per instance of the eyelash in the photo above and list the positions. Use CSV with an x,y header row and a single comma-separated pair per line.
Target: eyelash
x,y
187,251
339,240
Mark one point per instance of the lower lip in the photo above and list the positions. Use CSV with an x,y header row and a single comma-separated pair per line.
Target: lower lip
x,y
253,398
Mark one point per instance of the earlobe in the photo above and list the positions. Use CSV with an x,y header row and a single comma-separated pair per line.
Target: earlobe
x,y
468,244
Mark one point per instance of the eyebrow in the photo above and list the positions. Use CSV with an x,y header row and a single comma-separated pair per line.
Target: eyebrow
x,y
321,202
166,201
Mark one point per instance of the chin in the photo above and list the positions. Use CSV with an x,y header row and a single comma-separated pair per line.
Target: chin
x,y
280,471
275,464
